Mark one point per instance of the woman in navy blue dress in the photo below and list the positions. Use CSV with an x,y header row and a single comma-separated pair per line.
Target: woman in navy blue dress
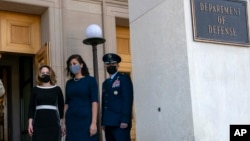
x,y
81,104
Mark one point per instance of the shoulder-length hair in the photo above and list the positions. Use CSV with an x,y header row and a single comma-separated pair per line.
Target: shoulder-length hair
x,y
84,70
51,73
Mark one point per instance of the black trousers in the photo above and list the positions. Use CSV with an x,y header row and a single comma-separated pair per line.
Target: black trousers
x,y
115,133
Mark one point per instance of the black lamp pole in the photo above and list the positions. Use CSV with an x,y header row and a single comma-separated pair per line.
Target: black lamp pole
x,y
94,42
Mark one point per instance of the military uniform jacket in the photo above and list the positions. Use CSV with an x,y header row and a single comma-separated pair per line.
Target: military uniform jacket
x,y
117,100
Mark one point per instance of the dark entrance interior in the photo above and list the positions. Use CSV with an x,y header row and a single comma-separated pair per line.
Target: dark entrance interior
x,y
17,73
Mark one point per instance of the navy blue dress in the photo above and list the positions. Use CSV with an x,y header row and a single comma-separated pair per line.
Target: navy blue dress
x,y
79,96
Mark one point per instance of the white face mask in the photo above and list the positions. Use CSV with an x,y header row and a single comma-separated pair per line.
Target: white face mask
x,y
75,68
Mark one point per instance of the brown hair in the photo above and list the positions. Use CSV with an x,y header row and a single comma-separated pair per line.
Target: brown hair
x,y
84,70
51,73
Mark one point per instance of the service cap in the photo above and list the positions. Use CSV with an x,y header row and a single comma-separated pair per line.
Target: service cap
x,y
110,58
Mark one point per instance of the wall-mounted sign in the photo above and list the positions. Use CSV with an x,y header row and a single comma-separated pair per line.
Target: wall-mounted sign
x,y
220,21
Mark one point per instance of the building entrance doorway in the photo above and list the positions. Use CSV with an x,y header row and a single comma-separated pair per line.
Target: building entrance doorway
x,y
19,49
17,75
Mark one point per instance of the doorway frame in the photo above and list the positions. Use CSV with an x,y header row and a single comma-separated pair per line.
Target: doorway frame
x,y
51,30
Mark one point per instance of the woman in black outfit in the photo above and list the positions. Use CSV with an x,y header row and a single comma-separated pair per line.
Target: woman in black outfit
x,y
46,107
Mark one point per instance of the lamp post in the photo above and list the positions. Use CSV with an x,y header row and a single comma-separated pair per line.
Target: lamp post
x,y
94,37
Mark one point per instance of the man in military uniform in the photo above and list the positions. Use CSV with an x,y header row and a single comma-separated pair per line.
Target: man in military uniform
x,y
117,101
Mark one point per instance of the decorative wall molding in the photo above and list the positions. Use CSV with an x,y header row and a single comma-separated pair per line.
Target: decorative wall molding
x,y
118,2
113,2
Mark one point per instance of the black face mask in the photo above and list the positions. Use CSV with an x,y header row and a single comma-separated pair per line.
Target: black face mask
x,y
111,69
44,78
